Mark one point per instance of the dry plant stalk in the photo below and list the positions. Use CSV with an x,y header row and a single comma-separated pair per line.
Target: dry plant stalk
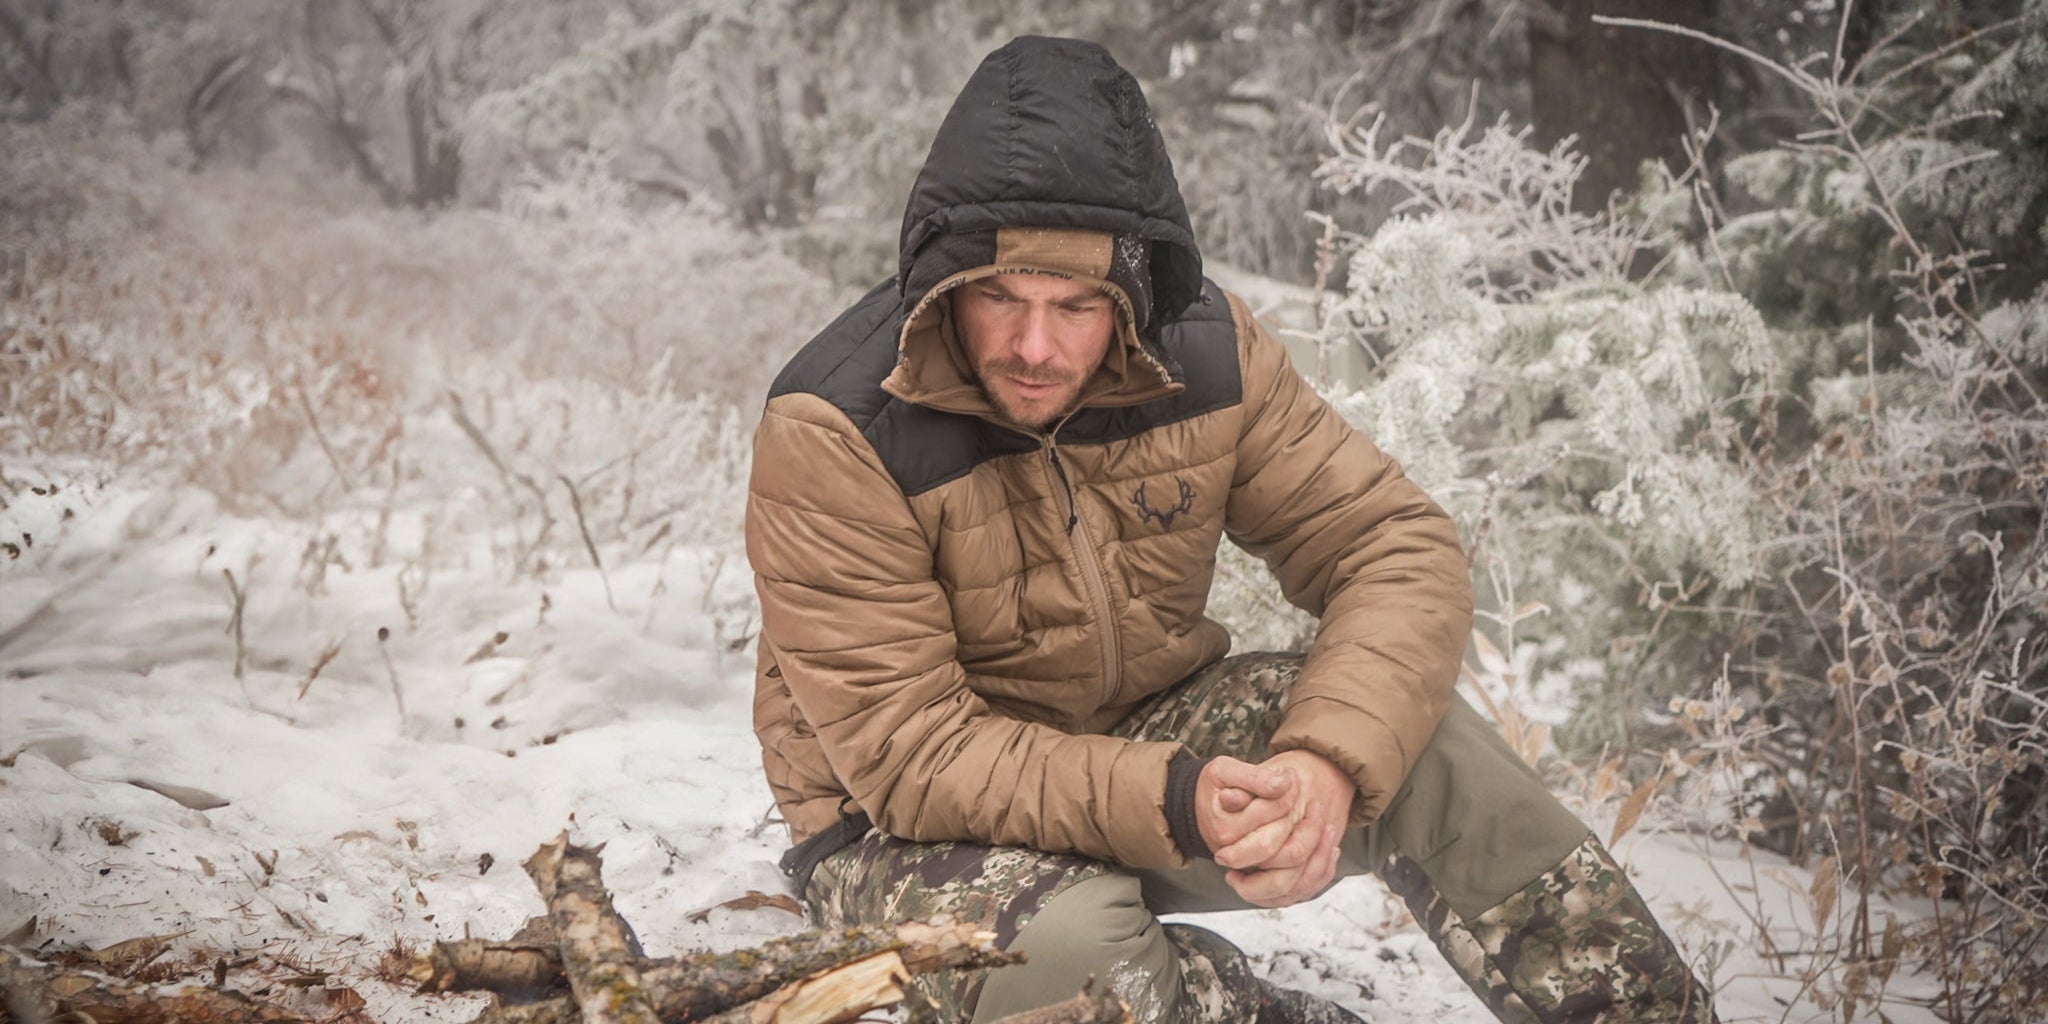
x,y
597,952
238,600
589,545
391,670
320,662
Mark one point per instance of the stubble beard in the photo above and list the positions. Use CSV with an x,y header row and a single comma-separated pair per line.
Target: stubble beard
x,y
1000,369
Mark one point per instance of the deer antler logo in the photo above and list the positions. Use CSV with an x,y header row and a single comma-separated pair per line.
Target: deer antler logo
x,y
1165,517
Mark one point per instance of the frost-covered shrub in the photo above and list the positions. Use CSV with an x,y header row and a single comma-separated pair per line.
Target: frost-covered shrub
x,y
1780,492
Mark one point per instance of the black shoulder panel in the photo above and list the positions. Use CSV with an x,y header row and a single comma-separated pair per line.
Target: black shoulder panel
x,y
1200,349
848,360
924,448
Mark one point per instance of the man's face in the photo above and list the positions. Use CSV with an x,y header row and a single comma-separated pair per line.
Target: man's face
x,y
1034,340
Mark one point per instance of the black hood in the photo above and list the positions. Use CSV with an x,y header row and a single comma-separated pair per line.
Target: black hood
x,y
1050,133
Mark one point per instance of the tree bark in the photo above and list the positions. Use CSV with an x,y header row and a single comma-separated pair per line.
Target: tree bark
x,y
511,969
597,955
52,993
1623,92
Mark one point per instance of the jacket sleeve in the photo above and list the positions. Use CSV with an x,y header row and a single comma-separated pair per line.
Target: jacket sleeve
x,y
863,635
1357,544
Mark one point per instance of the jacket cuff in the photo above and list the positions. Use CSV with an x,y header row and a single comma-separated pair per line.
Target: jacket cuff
x,y
1182,773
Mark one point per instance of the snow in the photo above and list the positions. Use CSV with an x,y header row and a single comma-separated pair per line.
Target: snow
x,y
152,792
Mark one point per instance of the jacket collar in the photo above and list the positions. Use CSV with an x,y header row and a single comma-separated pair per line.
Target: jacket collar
x,y
933,369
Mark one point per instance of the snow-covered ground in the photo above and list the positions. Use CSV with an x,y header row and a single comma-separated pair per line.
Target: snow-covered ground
x,y
465,717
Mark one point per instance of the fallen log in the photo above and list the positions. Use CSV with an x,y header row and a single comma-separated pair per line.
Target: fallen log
x,y
35,991
596,953
705,984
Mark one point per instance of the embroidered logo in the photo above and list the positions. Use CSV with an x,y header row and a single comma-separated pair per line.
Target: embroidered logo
x,y
1165,516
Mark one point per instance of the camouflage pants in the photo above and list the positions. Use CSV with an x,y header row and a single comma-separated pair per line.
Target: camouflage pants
x,y
1527,907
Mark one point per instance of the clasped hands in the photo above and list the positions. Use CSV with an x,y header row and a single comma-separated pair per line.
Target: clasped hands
x,y
1275,826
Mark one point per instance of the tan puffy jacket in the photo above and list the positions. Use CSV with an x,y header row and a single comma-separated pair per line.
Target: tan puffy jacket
x,y
953,612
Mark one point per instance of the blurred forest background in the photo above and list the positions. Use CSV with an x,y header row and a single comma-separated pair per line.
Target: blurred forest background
x,y
1726,338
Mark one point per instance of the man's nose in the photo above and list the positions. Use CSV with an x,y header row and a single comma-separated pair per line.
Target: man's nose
x,y
1034,343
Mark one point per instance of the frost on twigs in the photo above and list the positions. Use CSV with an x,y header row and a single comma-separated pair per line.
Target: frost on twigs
x,y
1616,386
1775,459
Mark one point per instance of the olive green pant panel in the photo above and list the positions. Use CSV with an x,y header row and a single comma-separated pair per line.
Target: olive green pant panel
x,y
1473,816
1099,928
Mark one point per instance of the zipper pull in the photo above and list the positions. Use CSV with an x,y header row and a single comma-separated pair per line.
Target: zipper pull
x,y
1073,510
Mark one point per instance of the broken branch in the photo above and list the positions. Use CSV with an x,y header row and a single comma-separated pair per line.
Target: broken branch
x,y
597,954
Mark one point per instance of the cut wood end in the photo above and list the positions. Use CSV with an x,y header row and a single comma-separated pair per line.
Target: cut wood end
x,y
423,973
840,994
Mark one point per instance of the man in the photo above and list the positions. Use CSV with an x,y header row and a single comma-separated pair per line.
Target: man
x,y
983,520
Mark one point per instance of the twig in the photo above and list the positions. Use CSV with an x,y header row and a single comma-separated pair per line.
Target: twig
x,y
476,437
326,655
583,527
313,421
505,475
384,516
397,691
237,600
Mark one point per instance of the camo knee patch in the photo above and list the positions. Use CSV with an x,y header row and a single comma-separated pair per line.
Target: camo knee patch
x,y
1229,708
1576,944
1217,985
881,880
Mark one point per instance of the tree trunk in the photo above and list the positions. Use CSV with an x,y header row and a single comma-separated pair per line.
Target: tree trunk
x,y
1623,91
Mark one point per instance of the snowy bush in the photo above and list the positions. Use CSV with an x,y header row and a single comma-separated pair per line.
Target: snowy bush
x,y
1772,468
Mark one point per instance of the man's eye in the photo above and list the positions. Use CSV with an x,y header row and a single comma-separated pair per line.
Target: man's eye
x,y
995,296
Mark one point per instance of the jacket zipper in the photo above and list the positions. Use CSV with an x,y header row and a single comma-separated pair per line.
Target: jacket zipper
x,y
1095,578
